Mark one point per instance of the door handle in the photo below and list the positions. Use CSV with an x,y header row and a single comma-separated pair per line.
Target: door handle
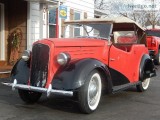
x,y
112,59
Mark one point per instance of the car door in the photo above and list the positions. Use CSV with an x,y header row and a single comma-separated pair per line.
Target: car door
x,y
121,66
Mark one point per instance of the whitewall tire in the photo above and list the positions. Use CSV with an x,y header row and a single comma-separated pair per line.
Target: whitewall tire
x,y
90,93
143,85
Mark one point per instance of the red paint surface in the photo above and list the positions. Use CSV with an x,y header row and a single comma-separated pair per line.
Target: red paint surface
x,y
153,42
125,61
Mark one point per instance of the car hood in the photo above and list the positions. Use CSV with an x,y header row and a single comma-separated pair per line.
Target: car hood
x,y
73,42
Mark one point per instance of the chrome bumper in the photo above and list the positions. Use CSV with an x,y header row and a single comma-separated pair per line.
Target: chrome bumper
x,y
14,85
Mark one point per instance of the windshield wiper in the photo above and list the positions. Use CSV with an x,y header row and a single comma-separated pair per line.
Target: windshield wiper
x,y
85,29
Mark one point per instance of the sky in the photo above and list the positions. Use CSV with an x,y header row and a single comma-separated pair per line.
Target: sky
x,y
137,5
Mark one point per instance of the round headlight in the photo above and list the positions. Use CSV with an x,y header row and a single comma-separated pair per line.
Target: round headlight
x,y
63,58
26,55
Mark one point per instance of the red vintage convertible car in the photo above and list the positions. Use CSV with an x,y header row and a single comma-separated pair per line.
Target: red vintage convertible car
x,y
153,44
82,64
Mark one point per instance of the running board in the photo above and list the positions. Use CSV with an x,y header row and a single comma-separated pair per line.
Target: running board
x,y
124,87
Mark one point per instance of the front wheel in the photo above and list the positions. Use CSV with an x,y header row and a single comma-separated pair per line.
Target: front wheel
x,y
143,85
29,96
90,93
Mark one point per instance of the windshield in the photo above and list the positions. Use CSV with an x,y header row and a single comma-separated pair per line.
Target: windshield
x,y
90,30
153,33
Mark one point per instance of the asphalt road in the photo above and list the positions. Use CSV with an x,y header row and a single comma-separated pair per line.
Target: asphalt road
x,y
126,105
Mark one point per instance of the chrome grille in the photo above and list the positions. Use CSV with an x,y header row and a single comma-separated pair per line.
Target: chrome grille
x,y
39,65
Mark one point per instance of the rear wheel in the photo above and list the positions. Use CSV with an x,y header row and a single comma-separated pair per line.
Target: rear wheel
x,y
29,96
143,85
157,58
90,93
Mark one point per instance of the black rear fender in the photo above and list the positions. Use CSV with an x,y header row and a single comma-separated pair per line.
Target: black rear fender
x,y
147,68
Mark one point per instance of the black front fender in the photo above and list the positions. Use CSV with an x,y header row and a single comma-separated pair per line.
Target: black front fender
x,y
74,75
20,72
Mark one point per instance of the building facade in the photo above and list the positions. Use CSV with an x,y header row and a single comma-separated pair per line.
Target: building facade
x,y
23,22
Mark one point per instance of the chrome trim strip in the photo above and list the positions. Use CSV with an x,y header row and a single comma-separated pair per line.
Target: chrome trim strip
x,y
38,89
5,72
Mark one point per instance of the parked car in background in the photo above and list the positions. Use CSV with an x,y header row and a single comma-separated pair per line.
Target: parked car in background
x,y
153,44
88,59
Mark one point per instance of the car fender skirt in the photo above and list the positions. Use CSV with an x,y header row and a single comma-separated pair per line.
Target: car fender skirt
x,y
20,72
74,75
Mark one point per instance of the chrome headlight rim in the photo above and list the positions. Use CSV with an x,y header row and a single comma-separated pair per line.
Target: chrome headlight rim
x,y
63,58
26,55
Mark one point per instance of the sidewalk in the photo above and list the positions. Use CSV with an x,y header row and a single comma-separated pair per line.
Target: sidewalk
x,y
5,71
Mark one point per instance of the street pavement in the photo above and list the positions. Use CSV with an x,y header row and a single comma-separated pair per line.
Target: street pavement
x,y
125,105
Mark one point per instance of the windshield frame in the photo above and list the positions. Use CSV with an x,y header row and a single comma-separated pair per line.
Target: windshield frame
x,y
104,32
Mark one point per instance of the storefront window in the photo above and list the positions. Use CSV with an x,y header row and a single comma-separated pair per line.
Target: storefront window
x,y
77,16
52,22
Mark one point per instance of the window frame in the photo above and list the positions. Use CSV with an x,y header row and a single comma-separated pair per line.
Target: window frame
x,y
2,33
52,24
75,12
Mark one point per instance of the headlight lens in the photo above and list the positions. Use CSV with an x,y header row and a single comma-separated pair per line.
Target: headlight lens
x,y
26,55
63,58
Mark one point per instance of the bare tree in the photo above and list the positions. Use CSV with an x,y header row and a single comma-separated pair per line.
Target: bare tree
x,y
153,18
101,4
126,9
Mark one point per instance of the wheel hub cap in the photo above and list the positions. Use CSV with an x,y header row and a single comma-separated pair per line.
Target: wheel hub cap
x,y
94,91
145,83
